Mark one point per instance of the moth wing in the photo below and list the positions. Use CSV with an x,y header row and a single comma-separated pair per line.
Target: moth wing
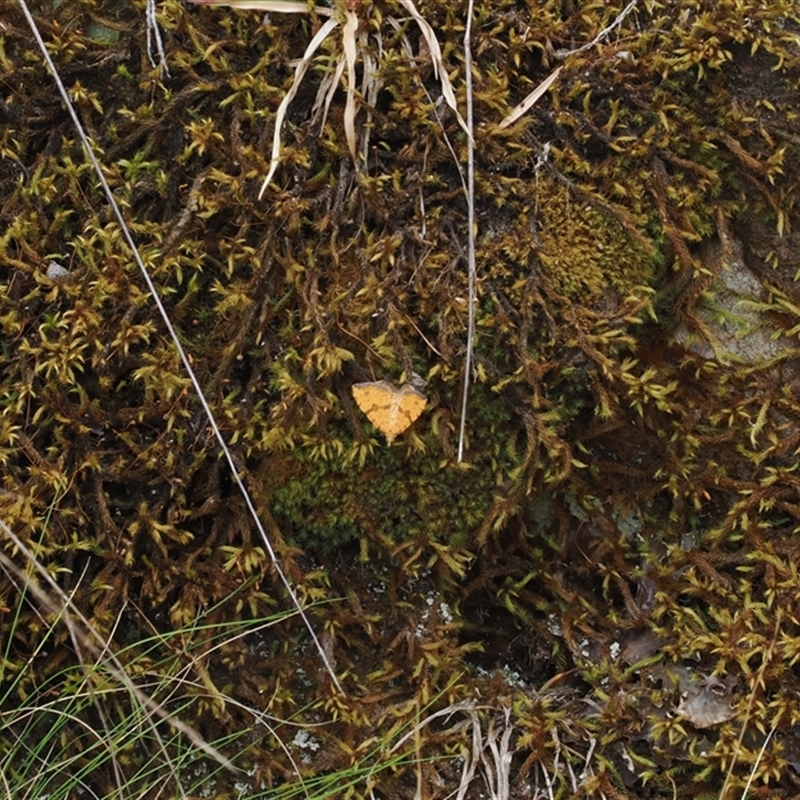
x,y
376,400
412,404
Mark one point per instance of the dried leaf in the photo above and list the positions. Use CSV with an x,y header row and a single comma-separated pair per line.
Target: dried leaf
x,y
280,6
299,74
528,103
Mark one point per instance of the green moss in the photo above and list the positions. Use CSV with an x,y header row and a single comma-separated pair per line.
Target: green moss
x,y
585,252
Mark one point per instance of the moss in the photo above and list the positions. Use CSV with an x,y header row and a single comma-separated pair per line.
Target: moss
x,y
616,485
586,252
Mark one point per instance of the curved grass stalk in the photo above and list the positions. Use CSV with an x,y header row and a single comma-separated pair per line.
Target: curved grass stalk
x,y
281,6
299,74
439,69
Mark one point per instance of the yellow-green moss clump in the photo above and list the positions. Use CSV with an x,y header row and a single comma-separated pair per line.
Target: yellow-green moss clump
x,y
586,252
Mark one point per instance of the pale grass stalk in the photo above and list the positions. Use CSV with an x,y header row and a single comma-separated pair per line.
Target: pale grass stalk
x,y
178,346
752,774
497,770
587,763
557,760
530,101
546,777
281,6
154,38
471,757
349,47
439,69
299,74
472,276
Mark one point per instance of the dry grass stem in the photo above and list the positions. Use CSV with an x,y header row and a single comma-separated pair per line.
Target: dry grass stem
x,y
528,103
472,274
235,471
299,74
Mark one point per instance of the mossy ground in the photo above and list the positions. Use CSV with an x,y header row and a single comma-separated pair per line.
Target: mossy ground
x,y
620,541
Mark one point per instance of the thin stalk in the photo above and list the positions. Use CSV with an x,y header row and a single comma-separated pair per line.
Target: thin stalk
x,y
472,272
176,341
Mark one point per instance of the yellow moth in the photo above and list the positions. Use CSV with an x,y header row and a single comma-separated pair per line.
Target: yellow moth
x,y
389,409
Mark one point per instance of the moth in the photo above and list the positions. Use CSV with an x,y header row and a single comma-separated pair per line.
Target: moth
x,y
389,409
